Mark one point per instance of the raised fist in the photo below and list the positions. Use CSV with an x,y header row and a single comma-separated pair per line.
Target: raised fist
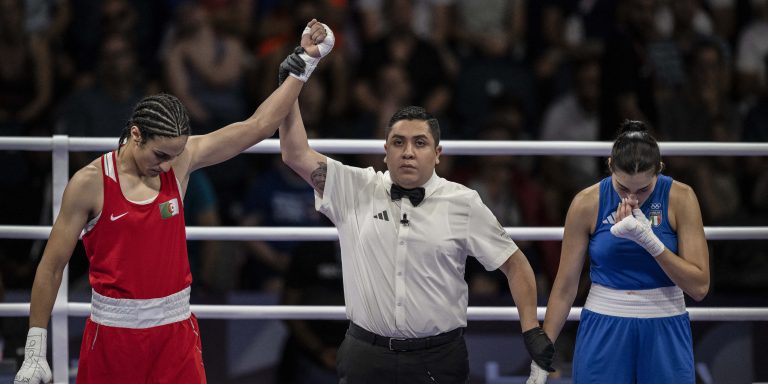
x,y
316,42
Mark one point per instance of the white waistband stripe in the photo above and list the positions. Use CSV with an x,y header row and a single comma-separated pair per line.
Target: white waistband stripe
x,y
135,313
645,303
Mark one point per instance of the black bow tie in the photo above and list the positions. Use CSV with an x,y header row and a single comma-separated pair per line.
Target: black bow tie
x,y
415,195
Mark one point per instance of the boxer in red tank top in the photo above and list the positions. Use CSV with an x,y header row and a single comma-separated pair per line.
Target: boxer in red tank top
x,y
128,205
138,250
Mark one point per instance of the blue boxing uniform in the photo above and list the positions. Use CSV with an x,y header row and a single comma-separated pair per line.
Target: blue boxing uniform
x,y
634,327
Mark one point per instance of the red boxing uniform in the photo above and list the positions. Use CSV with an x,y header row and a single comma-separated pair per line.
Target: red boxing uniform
x,y
140,329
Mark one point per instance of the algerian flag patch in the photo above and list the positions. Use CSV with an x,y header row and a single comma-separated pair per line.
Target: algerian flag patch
x,y
169,209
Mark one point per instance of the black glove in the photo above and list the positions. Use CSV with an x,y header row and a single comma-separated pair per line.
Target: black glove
x,y
540,347
292,64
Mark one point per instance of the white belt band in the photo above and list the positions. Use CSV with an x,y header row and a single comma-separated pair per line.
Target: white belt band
x,y
136,313
644,303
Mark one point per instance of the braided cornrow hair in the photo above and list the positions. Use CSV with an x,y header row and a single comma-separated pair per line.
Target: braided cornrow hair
x,y
158,115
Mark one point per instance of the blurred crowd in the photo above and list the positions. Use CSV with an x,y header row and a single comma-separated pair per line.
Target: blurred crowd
x,y
491,70
696,70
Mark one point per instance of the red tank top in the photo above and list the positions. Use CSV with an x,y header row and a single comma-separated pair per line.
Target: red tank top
x,y
138,251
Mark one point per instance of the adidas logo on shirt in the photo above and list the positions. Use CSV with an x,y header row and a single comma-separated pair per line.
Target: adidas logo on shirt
x,y
610,219
382,215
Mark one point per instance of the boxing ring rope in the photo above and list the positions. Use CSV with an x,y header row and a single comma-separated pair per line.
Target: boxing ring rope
x,y
61,145
317,312
450,147
40,232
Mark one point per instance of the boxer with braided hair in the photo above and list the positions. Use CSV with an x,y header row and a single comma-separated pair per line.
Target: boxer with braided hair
x,y
127,205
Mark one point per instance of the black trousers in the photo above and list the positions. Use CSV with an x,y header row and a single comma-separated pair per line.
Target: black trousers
x,y
360,362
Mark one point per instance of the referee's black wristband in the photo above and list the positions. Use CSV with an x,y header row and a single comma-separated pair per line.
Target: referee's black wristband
x,y
540,347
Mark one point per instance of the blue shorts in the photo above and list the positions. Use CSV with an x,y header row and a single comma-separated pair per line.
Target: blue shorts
x,y
611,349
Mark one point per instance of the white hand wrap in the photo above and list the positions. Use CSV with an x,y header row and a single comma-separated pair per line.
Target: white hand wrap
x,y
538,374
638,229
325,47
35,368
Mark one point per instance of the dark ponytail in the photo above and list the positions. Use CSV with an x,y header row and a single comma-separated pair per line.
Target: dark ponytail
x,y
635,150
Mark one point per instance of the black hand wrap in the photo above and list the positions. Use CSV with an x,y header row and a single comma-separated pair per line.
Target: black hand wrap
x,y
540,347
292,64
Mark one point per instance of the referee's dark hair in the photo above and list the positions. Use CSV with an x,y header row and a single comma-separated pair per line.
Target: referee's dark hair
x,y
415,113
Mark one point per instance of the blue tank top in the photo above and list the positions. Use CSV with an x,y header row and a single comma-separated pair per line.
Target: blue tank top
x,y
621,263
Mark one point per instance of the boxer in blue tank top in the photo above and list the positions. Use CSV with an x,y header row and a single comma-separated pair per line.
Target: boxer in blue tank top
x,y
645,238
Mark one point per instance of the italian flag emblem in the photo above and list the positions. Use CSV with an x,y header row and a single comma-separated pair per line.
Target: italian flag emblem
x,y
169,209
655,218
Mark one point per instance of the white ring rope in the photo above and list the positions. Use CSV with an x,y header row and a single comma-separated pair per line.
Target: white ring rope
x,y
450,147
41,232
314,312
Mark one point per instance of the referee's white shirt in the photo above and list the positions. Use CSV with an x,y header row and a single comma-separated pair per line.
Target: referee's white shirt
x,y
408,280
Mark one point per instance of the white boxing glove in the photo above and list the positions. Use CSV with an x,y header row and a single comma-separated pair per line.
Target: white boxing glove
x,y
35,368
311,62
638,229
538,374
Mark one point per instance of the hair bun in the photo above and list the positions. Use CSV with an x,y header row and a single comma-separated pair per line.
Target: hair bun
x,y
629,126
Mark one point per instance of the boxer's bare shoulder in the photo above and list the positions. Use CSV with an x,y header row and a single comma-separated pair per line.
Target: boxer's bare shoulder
x,y
86,188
